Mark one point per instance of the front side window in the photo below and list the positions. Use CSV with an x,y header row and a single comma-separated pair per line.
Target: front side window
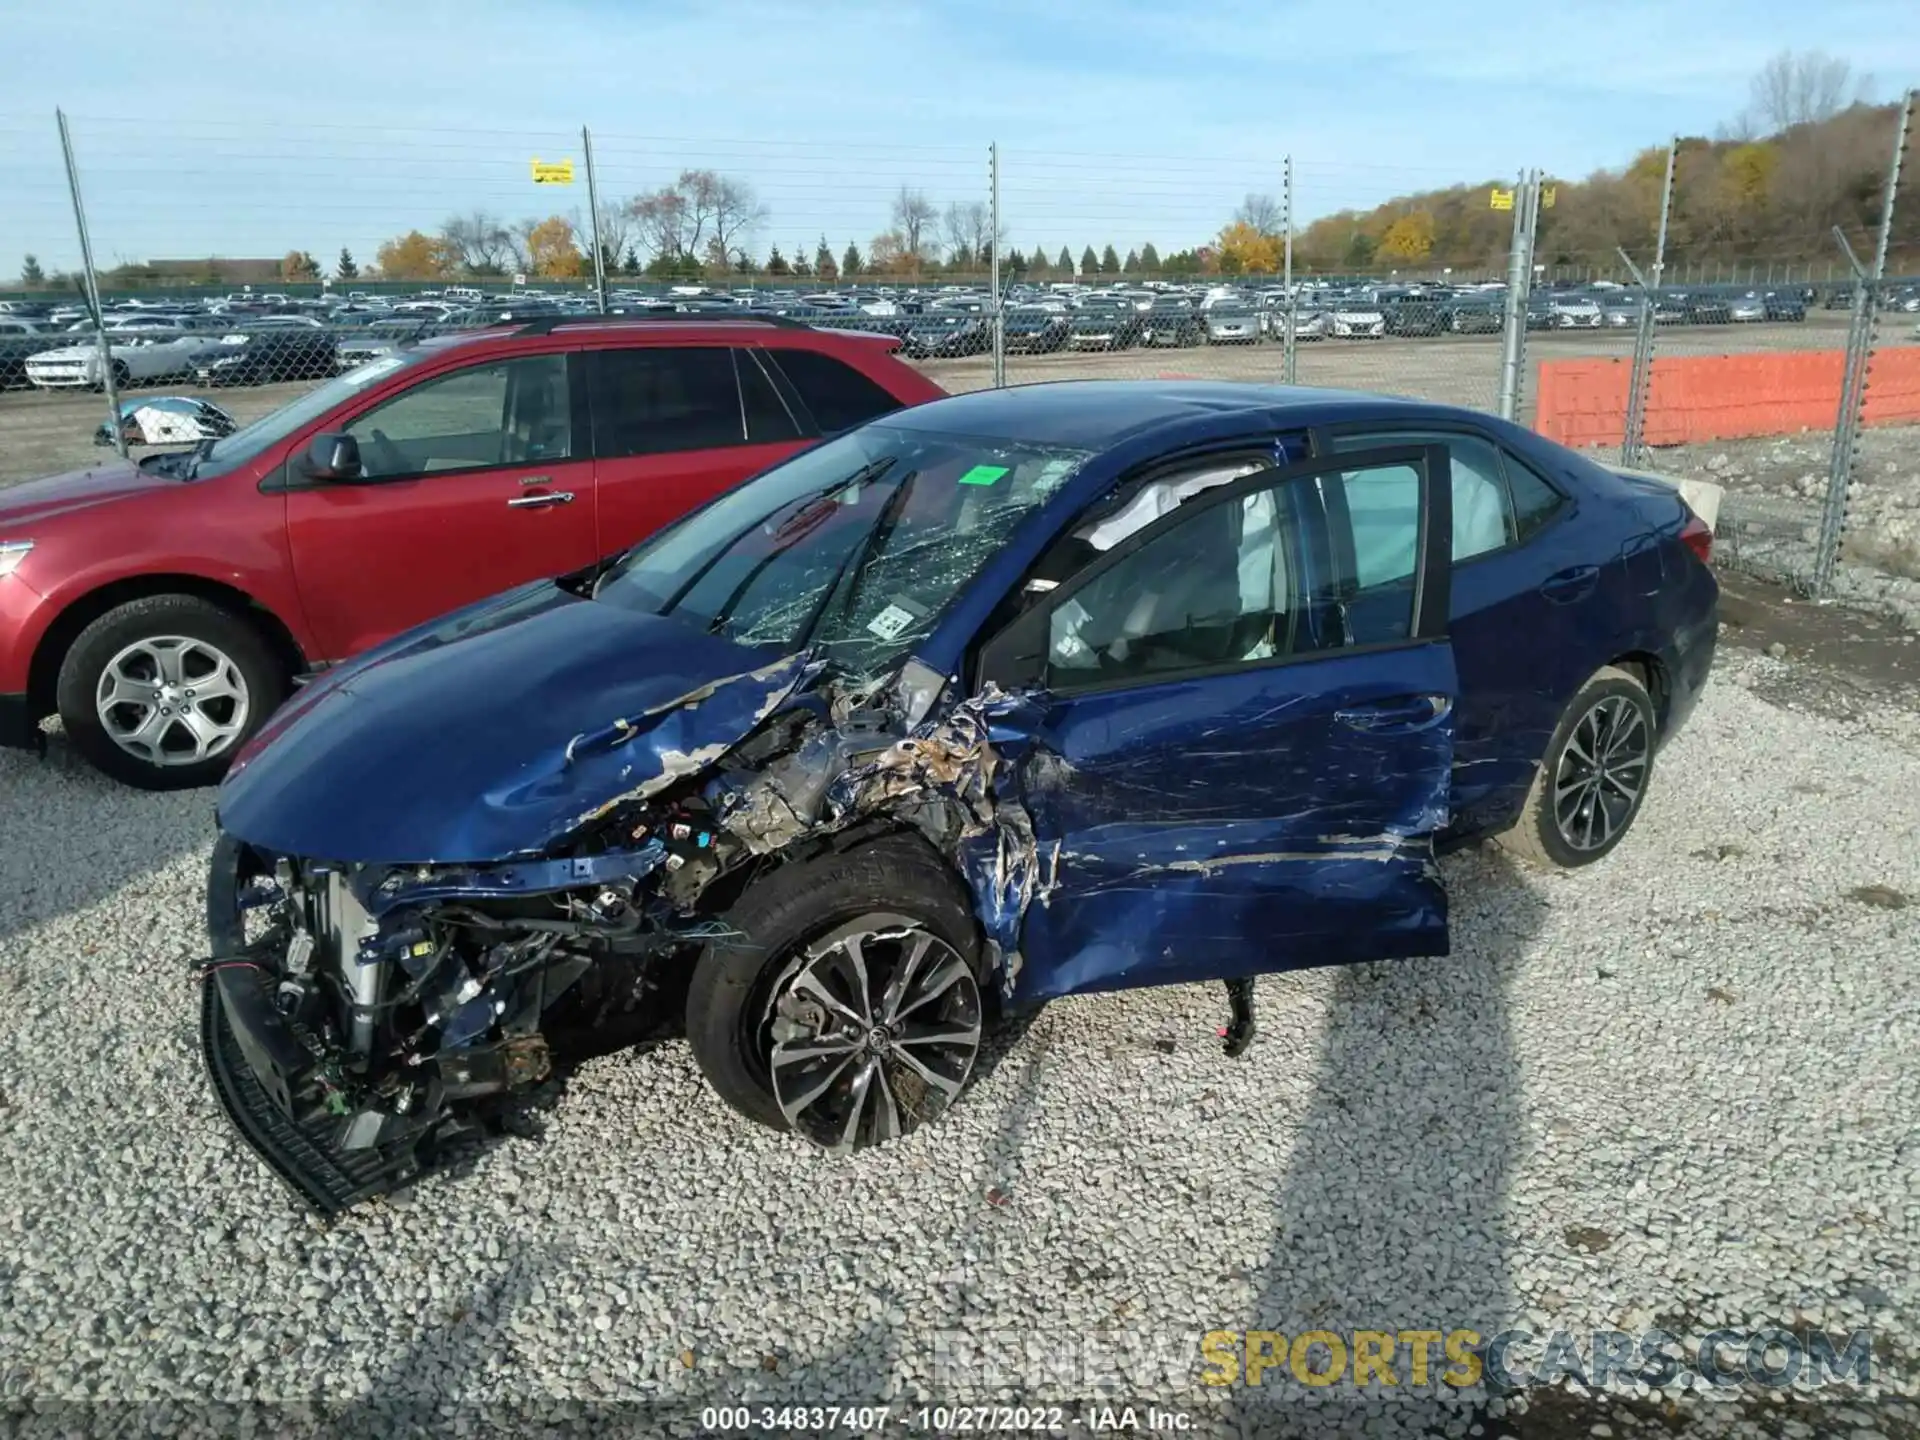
x,y
1257,577
507,412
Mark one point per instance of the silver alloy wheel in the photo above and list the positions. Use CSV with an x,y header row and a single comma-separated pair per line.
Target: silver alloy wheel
x,y
874,1029
171,700
1602,771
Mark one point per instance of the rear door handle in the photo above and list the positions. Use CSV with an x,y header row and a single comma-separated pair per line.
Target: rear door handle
x,y
1572,584
1403,716
531,502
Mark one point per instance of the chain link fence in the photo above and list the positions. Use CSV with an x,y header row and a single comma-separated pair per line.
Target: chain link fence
x,y
992,265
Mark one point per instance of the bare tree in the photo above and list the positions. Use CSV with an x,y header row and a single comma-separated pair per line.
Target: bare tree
x,y
479,242
617,228
520,244
700,207
969,228
1264,213
913,218
1802,88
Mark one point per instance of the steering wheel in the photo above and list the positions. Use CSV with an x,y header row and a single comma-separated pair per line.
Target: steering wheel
x,y
387,459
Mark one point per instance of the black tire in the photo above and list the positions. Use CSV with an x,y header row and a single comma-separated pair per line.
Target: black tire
x,y
796,904
1538,835
153,617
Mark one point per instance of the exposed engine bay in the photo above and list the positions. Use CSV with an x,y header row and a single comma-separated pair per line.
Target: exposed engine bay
x,y
364,1020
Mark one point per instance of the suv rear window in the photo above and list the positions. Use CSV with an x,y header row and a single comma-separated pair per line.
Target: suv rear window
x,y
839,396
652,400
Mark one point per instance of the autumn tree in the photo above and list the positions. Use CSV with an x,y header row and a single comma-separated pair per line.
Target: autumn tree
x,y
888,254
698,210
1089,262
823,263
1149,258
1410,238
414,256
298,265
553,251
31,275
850,263
913,219
1244,250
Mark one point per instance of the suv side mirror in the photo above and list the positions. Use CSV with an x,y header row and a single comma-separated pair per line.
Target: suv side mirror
x,y
333,457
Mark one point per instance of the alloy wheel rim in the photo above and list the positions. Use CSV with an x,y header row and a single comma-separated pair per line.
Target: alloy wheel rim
x,y
874,1030
171,700
1602,773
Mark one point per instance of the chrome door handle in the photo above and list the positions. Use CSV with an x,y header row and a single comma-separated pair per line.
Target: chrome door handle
x,y
529,502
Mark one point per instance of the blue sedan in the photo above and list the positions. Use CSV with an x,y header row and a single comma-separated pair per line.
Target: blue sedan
x,y
1015,695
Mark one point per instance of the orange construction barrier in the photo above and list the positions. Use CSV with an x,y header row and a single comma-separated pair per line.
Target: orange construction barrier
x,y
1720,397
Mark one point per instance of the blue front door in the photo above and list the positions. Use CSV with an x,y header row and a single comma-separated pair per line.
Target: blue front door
x,y
1238,756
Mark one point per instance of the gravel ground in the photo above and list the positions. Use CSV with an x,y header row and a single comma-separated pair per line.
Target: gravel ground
x,y
1776,486
1676,1088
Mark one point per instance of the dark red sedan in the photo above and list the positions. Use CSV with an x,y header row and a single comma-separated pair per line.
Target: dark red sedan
x,y
163,609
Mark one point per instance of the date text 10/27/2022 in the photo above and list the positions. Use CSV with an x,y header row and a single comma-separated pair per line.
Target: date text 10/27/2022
x,y
942,1419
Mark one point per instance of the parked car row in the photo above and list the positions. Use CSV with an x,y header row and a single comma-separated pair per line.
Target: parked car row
x,y
249,339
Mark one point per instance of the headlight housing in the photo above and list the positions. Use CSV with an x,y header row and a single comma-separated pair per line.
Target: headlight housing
x,y
12,552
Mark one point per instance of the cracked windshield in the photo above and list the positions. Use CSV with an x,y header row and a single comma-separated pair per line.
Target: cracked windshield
x,y
855,547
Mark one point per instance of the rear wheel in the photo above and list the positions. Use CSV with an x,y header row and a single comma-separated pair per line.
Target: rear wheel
x,y
161,691
1593,778
847,1007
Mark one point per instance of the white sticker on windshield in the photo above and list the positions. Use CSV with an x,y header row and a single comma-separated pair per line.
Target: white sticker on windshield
x,y
891,623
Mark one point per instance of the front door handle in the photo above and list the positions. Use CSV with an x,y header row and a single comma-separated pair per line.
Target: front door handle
x,y
1571,584
1405,715
531,502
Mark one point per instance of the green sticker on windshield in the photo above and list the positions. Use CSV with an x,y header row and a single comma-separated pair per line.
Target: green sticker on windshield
x,y
984,474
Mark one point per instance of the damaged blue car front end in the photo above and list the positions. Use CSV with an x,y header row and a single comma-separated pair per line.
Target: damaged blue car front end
x,y
529,820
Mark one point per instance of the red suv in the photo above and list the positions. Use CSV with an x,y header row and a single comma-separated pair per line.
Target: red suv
x,y
163,609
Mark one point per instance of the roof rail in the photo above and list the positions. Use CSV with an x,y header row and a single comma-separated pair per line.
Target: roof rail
x,y
547,324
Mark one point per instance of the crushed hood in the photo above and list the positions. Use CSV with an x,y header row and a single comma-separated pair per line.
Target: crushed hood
x,y
495,731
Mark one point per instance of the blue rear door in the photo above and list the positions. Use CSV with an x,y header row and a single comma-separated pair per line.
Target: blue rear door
x,y
1239,755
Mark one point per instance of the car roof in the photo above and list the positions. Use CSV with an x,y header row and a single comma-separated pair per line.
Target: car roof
x,y
1097,414
648,329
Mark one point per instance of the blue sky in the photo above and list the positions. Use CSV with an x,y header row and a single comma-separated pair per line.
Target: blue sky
x,y
251,129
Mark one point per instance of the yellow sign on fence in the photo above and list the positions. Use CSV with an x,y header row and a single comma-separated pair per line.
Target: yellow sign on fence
x,y
1502,199
553,172
1546,197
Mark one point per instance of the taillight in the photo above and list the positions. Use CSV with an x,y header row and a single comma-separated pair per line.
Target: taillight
x,y
1698,538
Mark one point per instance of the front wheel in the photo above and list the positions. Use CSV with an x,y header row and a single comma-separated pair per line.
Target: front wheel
x,y
846,1006
161,691
1593,778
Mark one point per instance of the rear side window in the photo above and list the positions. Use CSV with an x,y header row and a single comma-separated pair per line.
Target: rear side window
x,y
1497,501
654,400
768,420
839,396
1535,502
